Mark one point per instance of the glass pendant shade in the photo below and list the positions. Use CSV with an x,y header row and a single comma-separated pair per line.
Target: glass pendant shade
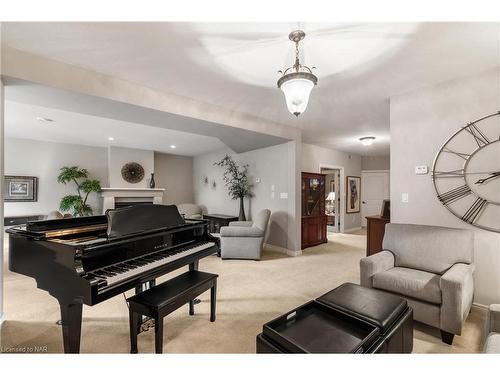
x,y
297,93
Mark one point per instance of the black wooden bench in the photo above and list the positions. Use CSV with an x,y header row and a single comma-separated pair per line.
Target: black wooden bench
x,y
167,297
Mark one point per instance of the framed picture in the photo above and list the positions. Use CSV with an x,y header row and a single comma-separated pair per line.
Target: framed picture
x,y
353,194
386,209
20,189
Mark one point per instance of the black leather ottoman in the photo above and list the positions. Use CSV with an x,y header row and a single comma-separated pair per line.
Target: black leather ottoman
x,y
348,319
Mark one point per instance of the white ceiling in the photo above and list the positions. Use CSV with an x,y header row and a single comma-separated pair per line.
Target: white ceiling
x,y
76,128
235,65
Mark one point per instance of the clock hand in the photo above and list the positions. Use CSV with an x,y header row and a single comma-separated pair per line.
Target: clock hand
x,y
491,177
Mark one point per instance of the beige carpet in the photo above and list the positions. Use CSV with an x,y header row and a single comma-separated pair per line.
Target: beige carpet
x,y
250,293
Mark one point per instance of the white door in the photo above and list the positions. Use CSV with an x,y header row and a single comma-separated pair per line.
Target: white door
x,y
374,189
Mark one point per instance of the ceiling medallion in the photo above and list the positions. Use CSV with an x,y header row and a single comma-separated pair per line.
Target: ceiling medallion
x,y
298,80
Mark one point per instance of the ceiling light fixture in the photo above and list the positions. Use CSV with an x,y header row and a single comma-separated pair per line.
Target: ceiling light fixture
x,y
367,141
44,119
173,146
298,80
111,139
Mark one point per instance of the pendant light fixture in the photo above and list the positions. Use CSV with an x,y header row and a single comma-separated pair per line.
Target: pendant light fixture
x,y
298,80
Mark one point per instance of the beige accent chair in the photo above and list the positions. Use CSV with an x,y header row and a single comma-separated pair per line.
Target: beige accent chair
x,y
432,267
245,239
492,332
190,211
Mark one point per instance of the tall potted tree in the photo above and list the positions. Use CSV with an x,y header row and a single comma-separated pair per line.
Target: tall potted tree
x,y
237,183
77,203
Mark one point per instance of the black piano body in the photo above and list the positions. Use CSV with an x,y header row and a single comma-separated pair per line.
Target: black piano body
x,y
88,260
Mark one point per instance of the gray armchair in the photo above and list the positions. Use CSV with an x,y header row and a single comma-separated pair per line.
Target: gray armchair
x,y
492,332
245,239
190,211
432,267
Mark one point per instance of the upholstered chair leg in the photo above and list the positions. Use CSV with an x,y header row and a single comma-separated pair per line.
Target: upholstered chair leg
x,y
447,337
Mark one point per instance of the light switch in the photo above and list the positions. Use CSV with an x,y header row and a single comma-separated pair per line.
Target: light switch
x,y
404,197
283,195
257,180
272,194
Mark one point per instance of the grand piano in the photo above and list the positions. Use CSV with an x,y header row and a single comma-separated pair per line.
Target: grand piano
x,y
88,260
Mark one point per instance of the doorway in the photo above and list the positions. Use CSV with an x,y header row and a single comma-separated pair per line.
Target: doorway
x,y
332,199
374,189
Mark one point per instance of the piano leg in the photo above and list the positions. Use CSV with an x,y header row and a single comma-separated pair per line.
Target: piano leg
x,y
71,316
193,267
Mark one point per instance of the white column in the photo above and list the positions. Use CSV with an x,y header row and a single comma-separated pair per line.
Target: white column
x,y
294,197
1,179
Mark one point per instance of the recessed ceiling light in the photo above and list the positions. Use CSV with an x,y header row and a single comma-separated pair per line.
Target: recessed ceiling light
x,y
173,146
367,141
44,119
111,139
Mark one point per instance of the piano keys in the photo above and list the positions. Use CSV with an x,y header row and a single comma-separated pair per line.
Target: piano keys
x,y
88,260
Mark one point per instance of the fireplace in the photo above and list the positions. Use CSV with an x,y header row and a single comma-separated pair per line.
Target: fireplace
x,y
123,197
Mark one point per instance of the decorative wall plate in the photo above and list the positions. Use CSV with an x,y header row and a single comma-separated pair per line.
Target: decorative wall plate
x,y
133,172
466,173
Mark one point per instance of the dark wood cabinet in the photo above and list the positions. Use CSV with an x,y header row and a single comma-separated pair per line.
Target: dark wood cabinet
x,y
313,209
216,221
375,231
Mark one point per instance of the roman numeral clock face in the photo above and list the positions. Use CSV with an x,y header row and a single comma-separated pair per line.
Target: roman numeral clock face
x,y
466,173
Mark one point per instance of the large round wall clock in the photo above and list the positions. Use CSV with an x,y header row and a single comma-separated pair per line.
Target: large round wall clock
x,y
466,173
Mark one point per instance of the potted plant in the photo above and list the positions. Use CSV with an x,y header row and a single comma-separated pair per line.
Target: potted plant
x,y
84,186
236,179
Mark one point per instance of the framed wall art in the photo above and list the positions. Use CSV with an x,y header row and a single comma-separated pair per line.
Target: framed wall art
x,y
20,189
353,194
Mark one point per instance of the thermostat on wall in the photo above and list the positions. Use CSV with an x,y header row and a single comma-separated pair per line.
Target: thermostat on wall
x,y
421,169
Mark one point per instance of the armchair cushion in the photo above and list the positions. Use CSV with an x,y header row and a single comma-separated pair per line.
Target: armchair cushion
x,y
457,288
374,264
408,282
492,344
236,231
190,211
240,223
428,248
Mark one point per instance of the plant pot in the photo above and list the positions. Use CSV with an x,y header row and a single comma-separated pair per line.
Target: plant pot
x,y
241,216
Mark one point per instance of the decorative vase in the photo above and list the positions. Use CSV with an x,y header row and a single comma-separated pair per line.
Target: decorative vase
x,y
152,182
241,216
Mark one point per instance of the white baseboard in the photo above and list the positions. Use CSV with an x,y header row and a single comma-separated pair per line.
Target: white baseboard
x,y
350,230
282,250
480,306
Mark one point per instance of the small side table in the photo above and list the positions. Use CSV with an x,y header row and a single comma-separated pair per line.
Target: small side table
x,y
216,221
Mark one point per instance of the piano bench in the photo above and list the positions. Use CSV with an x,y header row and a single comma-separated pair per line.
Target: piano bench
x,y
162,299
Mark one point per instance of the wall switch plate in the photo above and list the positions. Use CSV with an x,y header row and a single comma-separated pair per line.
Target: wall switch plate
x,y
421,169
283,195
272,187
404,197
257,180
272,194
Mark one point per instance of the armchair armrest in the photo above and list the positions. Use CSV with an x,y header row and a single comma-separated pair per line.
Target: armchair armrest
x,y
237,231
373,264
457,290
493,319
240,223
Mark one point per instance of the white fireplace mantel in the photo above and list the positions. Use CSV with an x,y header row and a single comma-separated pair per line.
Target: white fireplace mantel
x,y
113,195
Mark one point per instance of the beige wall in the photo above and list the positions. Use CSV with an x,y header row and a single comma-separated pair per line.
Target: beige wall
x,y
25,157
420,123
313,157
175,174
1,188
375,163
275,169
119,156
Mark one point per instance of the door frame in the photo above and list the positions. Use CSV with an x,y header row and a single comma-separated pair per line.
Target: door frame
x,y
388,171
341,191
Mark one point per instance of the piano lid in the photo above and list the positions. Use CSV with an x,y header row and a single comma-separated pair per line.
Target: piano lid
x,y
139,218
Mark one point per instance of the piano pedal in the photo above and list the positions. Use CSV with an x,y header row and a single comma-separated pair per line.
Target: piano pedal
x,y
147,325
59,322
196,301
